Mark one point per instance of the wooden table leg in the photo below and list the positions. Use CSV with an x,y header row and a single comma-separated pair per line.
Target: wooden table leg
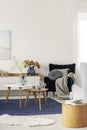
x,y
44,94
39,99
35,95
20,93
26,100
7,95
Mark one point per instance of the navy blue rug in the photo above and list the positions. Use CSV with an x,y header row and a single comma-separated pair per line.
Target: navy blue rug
x,y
32,108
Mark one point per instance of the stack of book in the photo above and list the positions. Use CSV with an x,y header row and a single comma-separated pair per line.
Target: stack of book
x,y
75,102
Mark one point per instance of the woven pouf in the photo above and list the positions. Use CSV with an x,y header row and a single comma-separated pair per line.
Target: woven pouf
x,y
74,116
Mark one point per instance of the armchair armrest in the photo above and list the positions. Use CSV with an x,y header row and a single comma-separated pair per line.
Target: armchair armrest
x,y
70,83
50,84
46,79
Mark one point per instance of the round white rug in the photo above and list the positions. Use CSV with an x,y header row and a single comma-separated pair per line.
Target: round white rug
x,y
24,121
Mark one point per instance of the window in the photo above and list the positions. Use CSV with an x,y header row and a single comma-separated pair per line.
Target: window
x,y
82,37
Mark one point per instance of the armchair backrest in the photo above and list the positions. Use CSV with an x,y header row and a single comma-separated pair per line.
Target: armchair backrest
x,y
63,66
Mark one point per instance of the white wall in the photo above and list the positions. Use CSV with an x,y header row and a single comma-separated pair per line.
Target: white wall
x,y
80,8
41,30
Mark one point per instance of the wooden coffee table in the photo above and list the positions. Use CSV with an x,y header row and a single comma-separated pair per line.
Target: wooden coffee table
x,y
37,95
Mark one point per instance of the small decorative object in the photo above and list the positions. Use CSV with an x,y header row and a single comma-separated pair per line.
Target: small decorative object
x,y
33,87
30,64
22,80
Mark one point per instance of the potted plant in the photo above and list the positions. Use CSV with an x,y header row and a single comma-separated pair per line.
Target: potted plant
x,y
30,64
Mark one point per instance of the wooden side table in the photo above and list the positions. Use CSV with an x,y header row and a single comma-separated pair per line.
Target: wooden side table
x,y
36,93
15,86
74,116
13,82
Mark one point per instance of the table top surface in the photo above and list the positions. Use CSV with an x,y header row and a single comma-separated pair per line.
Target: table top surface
x,y
75,104
36,89
27,87
17,85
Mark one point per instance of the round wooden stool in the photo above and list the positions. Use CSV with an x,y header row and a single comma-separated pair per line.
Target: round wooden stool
x,y
74,116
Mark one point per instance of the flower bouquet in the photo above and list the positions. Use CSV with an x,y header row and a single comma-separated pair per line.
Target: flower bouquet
x,y
30,64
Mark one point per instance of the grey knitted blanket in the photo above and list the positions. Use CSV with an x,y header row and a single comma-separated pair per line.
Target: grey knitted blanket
x,y
62,90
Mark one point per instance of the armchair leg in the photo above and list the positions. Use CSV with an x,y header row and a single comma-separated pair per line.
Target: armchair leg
x,y
53,93
47,93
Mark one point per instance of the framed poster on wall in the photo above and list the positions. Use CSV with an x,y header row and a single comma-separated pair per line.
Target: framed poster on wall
x,y
5,44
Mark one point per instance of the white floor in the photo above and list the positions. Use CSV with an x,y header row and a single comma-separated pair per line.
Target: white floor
x,y
57,126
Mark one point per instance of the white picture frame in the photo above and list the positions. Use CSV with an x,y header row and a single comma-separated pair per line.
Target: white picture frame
x,y
5,44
